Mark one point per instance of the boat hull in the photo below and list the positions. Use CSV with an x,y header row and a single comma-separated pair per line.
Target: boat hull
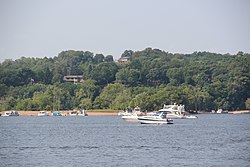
x,y
10,114
42,115
154,120
130,118
191,117
83,115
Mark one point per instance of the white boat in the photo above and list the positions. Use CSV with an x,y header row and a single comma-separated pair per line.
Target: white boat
x,y
129,111
155,119
73,113
132,116
82,113
43,113
124,113
158,122
10,113
176,111
219,111
190,116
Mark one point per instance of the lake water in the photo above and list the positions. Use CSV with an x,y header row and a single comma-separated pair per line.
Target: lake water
x,y
210,140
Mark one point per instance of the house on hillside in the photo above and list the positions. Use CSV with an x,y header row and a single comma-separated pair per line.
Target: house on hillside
x,y
124,60
73,78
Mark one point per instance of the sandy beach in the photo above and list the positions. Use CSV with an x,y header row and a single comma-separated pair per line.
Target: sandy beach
x,y
104,113
66,113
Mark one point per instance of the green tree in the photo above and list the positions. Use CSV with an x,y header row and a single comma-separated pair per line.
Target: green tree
x,y
3,89
175,76
99,58
104,73
108,95
128,76
247,103
9,103
85,103
109,58
122,100
127,53
25,104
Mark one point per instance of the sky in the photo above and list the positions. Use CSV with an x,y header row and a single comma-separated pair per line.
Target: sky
x,y
39,28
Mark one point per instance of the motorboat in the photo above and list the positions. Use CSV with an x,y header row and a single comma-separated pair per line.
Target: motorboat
x,y
176,111
82,113
123,113
56,113
73,113
219,111
128,111
137,110
190,116
158,122
155,119
153,113
10,113
131,116
43,113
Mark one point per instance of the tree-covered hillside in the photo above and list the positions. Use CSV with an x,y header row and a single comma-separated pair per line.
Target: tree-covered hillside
x,y
201,81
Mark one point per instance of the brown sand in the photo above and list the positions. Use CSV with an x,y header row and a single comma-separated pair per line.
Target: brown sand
x,y
65,113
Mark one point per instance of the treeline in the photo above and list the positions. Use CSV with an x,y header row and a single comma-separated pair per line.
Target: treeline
x,y
201,81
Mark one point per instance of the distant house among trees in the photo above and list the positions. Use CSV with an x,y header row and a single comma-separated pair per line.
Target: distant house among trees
x,y
73,78
124,60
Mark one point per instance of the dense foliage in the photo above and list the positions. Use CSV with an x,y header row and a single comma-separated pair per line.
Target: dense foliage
x,y
201,81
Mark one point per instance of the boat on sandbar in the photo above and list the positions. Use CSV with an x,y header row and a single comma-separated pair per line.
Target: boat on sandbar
x,y
56,113
82,112
10,113
73,113
43,113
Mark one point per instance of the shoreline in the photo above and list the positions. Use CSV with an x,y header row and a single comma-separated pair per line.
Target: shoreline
x,y
66,113
110,112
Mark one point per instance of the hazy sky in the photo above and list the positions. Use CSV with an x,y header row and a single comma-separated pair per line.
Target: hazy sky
x,y
39,28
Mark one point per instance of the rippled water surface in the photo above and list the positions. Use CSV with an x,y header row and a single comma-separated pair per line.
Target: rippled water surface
x,y
210,140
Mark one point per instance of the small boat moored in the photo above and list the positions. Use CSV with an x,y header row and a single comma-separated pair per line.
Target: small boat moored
x,y
82,112
56,113
10,113
132,116
73,113
43,113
